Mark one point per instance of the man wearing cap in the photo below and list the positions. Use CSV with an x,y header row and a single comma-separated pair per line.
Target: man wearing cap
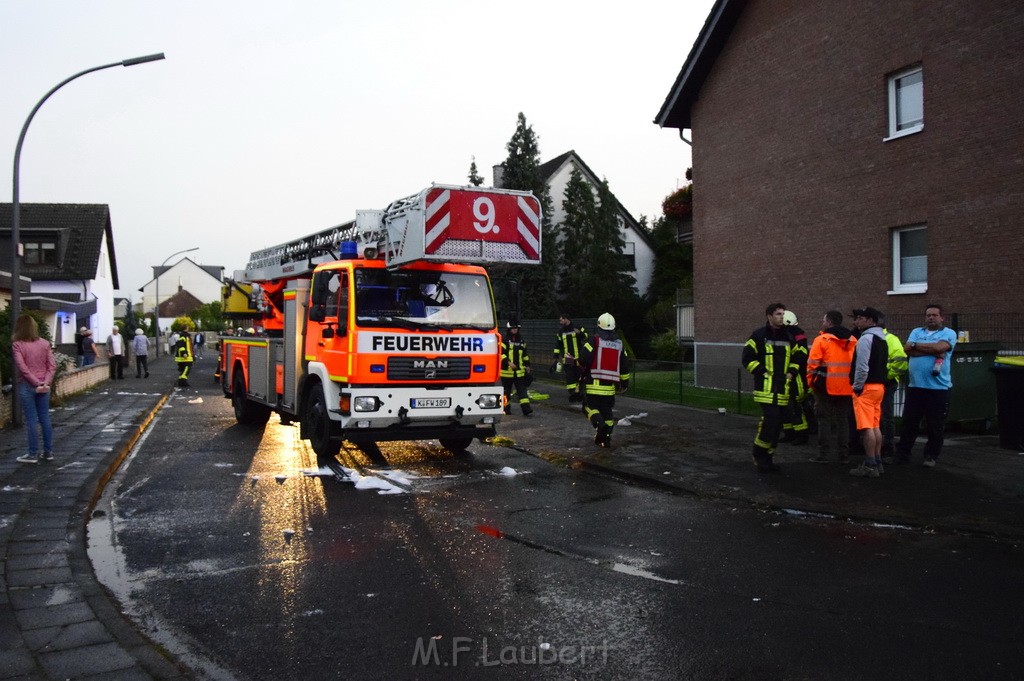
x,y
930,349
867,377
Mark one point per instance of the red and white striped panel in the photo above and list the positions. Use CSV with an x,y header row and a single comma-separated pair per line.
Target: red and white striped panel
x,y
494,221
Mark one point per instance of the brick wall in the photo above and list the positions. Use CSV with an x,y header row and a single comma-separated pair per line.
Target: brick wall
x,y
796,194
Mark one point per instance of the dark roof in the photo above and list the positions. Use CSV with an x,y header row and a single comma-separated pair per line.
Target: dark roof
x,y
548,169
181,303
79,230
215,271
675,112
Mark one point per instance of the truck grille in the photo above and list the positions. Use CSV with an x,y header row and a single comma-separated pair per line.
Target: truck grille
x,y
422,369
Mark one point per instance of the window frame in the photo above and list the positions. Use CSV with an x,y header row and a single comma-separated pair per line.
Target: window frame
x,y
899,288
891,89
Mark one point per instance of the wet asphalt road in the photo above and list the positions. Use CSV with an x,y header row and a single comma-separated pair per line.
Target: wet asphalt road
x,y
498,564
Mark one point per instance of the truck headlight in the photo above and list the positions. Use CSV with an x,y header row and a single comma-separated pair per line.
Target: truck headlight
x,y
365,403
488,401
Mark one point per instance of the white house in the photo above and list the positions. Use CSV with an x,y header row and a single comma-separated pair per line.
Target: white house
x,y
203,282
638,247
68,253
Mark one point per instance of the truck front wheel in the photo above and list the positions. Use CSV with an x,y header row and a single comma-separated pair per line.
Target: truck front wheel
x,y
247,412
455,445
317,423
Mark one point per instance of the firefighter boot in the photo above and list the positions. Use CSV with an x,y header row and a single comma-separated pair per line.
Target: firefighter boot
x,y
763,460
604,436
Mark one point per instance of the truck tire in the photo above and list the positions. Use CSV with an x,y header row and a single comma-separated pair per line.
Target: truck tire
x,y
247,412
317,422
455,445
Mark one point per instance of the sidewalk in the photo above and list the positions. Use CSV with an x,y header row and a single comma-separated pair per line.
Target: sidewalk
x,y
56,621
976,488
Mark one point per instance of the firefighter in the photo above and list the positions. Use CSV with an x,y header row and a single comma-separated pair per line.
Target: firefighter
x,y
800,420
606,370
568,341
183,357
515,368
772,355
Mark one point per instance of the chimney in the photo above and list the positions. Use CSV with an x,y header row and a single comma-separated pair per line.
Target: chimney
x,y
499,176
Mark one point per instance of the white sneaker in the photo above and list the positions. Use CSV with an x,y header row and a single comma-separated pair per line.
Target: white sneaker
x,y
865,471
930,463
28,458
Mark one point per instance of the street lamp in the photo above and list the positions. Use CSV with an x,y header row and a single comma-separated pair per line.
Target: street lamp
x,y
157,315
16,205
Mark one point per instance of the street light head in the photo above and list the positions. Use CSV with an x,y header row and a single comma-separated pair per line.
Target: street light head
x,y
142,60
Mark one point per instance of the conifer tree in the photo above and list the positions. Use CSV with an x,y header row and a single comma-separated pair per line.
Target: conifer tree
x,y
577,231
474,176
522,172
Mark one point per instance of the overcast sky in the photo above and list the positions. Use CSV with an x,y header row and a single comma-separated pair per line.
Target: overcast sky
x,y
272,120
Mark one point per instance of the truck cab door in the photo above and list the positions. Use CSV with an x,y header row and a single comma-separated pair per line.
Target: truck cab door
x,y
330,344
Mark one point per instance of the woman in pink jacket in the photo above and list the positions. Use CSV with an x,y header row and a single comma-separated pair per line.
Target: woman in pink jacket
x,y
35,368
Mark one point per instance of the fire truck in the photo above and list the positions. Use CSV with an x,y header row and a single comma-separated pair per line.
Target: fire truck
x,y
383,328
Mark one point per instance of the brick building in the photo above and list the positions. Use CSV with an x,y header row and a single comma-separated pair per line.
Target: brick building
x,y
849,154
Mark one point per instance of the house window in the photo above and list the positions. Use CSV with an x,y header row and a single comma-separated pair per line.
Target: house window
x,y
910,259
906,102
40,252
629,256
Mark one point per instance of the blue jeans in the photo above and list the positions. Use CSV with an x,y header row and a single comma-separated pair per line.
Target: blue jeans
x,y
36,407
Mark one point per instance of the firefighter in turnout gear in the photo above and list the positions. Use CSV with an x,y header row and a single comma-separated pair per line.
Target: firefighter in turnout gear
x,y
515,369
800,420
774,358
606,370
184,357
568,342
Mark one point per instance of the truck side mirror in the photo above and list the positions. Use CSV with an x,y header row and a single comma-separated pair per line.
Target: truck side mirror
x,y
318,312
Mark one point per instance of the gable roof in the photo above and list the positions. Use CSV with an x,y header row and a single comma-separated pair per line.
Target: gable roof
x,y
550,168
215,271
675,111
79,230
181,303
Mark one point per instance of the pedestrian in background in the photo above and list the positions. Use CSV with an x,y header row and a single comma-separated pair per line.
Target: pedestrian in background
x,y
896,371
772,356
568,342
115,354
867,377
930,349
35,367
79,350
515,367
88,349
197,343
606,371
828,375
140,346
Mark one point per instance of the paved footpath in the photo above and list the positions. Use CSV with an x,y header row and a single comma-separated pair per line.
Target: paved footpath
x,y
56,621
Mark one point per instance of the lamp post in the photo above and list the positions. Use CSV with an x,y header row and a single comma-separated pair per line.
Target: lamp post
x,y
16,205
156,316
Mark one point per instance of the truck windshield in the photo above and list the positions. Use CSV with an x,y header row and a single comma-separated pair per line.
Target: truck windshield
x,y
422,299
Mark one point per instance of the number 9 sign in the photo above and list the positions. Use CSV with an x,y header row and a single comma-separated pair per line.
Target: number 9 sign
x,y
483,211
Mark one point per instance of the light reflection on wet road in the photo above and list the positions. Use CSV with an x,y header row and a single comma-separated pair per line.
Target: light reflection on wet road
x,y
652,586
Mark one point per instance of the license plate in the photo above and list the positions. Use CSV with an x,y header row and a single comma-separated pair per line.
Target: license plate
x,y
430,402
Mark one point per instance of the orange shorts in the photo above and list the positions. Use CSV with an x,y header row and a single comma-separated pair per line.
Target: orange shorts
x,y
867,407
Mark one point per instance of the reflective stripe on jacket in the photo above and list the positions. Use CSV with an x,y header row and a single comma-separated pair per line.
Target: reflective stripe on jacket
x,y
514,358
829,363
604,356
567,343
769,354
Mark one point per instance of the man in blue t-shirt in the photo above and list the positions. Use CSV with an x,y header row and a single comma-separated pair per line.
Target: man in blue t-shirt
x,y
930,348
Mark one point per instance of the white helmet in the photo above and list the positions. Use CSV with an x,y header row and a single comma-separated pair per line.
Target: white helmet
x,y
789,318
606,322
